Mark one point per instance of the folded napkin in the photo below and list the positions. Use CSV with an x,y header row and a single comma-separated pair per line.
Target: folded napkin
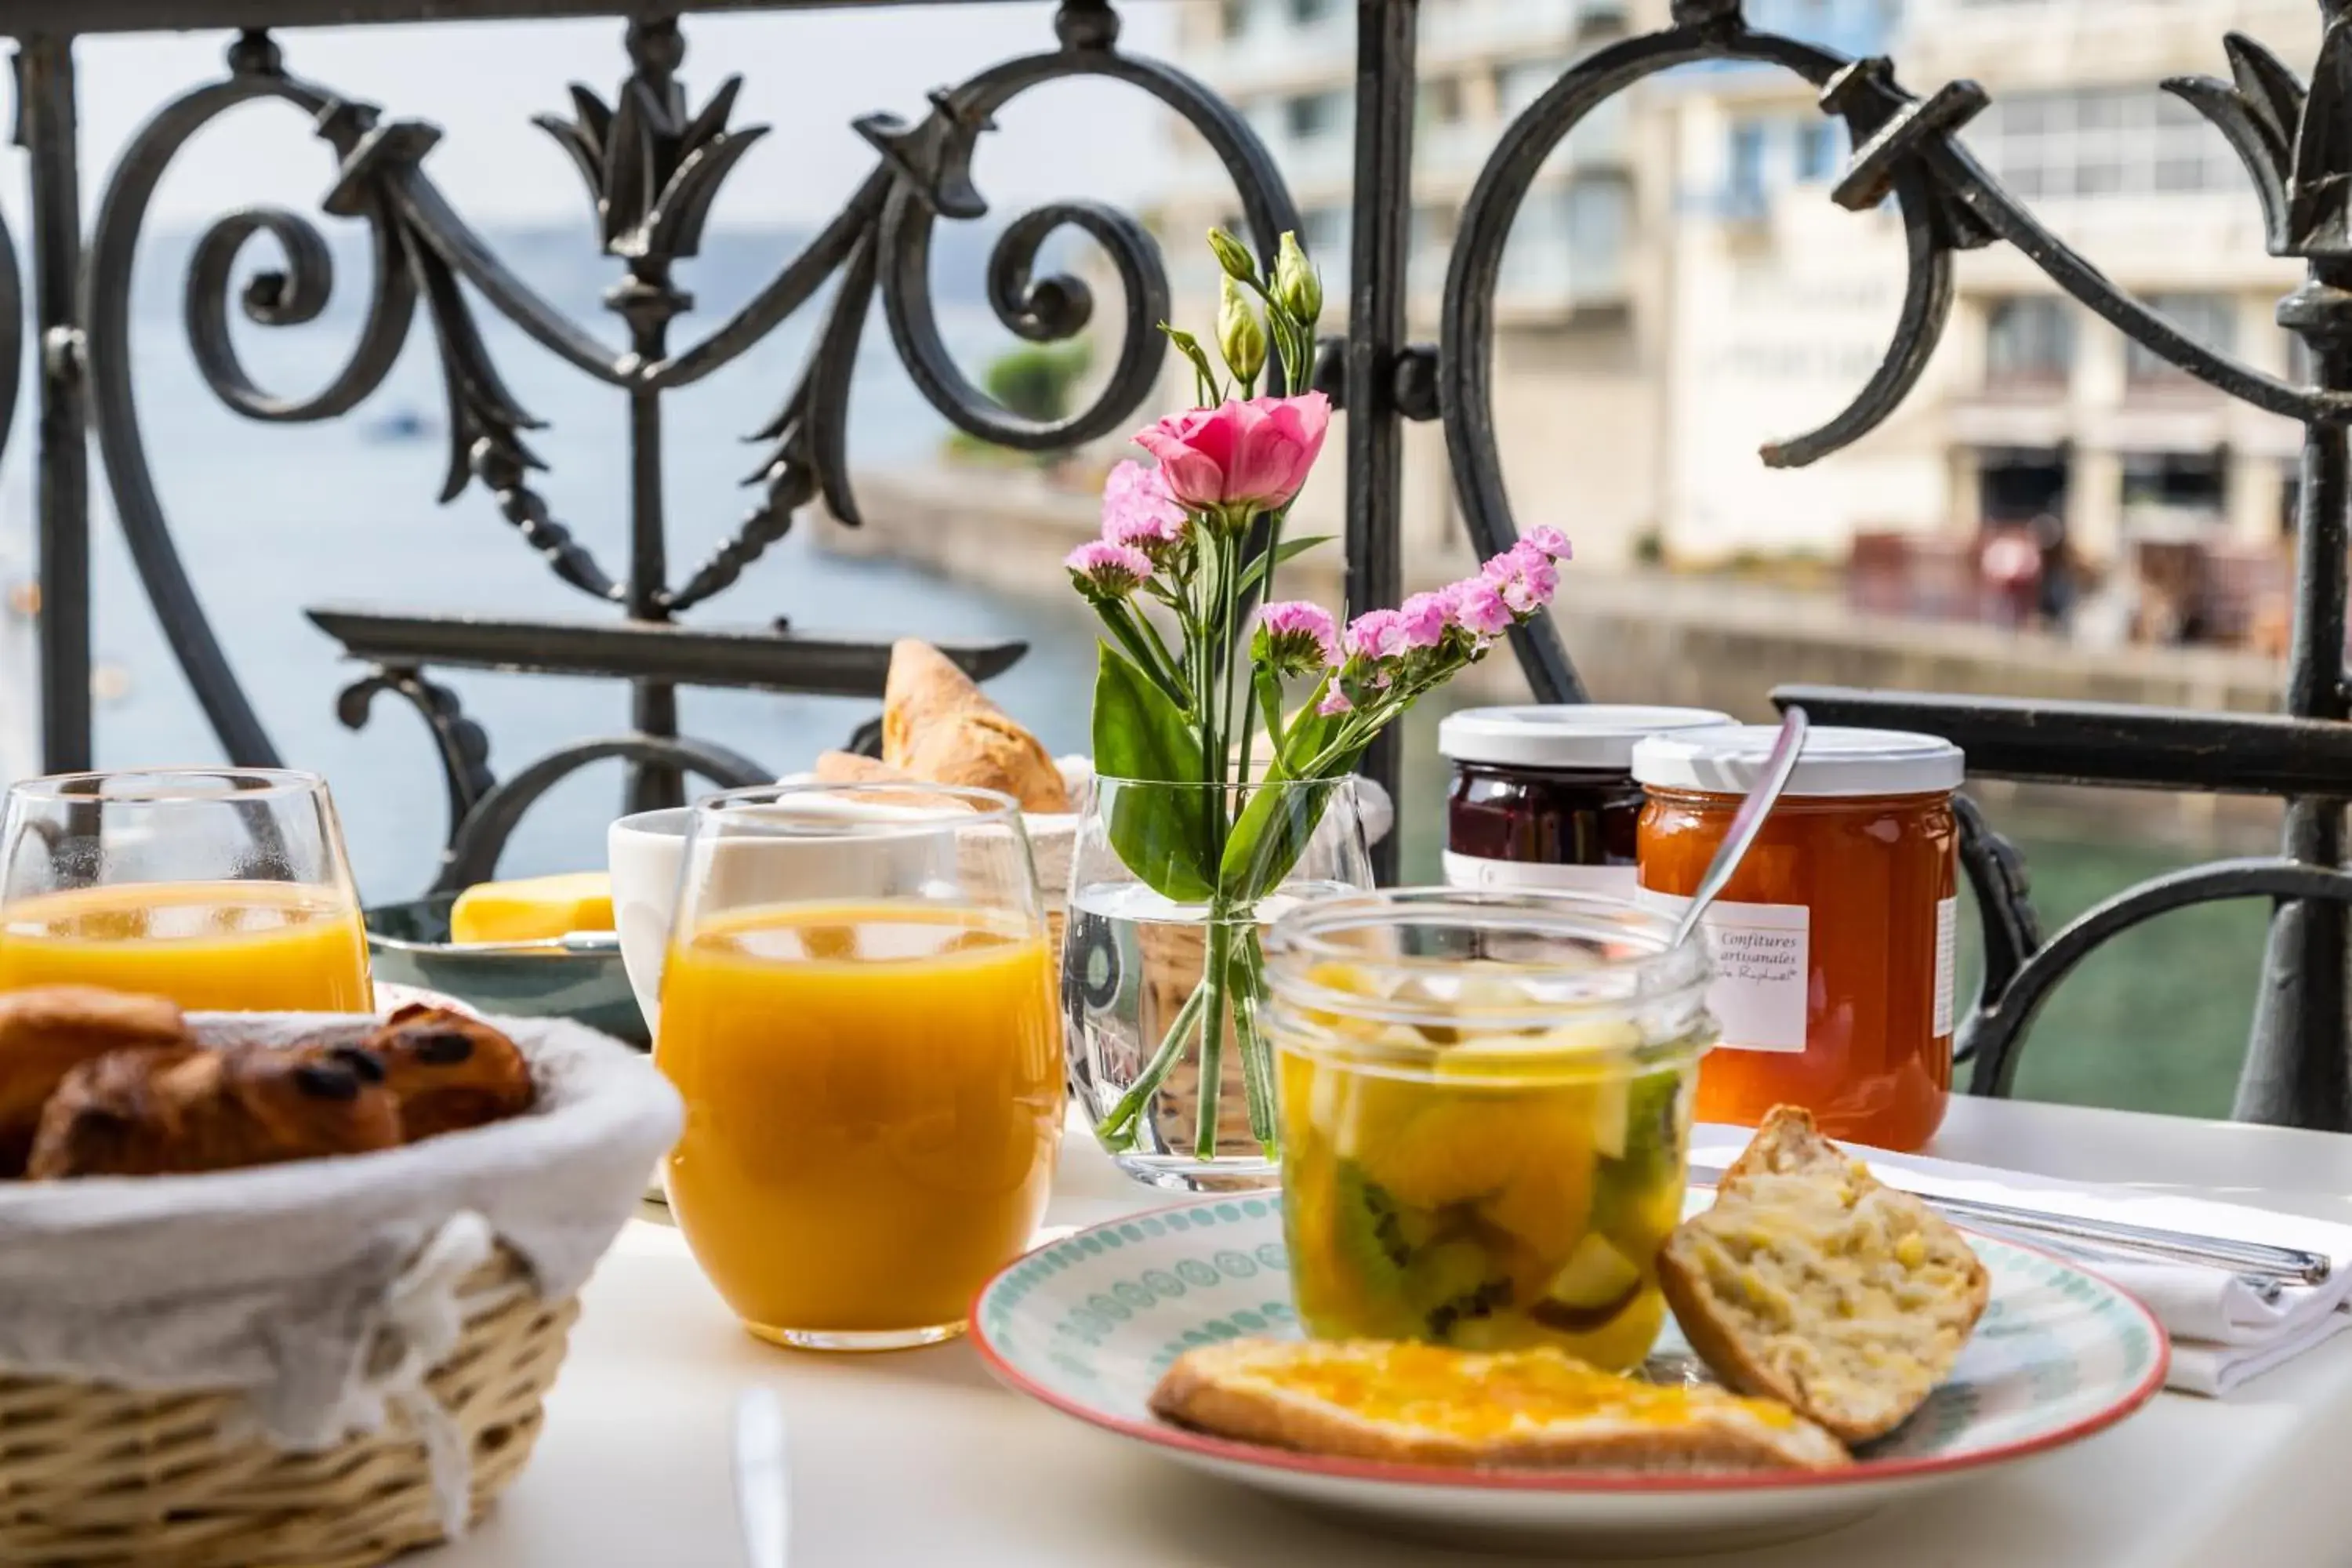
x,y
2223,1331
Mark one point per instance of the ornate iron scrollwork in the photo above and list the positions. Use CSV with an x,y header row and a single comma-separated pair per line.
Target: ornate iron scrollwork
x,y
463,746
2298,151
652,169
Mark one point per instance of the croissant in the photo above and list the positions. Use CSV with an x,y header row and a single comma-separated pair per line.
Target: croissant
x,y
925,689
448,1071
47,1031
180,1110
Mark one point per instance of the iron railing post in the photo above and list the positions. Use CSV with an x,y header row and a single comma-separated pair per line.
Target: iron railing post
x,y
1377,284
648,301
47,130
2297,1071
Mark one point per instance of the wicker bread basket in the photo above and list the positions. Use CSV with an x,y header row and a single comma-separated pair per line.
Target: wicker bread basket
x,y
319,1364
94,1476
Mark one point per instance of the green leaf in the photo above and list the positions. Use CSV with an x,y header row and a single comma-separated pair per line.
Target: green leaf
x,y
1166,836
1308,733
1270,836
1289,549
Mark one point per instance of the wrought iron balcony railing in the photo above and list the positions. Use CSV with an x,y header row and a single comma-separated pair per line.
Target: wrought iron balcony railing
x,y
652,163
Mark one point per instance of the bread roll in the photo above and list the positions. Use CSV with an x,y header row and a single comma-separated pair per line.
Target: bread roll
x,y
1810,1282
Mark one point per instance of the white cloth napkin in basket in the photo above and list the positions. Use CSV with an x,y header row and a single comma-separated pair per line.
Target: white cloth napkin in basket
x,y
2223,1331
324,1290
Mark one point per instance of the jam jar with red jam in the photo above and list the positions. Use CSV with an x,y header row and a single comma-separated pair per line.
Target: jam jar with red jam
x,y
1545,797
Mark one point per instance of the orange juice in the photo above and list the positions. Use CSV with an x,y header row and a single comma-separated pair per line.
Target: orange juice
x,y
873,1095
243,947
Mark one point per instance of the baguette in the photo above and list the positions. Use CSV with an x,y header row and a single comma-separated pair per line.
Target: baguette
x,y
1423,1404
1810,1283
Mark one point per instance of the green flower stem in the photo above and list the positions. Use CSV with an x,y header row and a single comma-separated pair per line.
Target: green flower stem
x,y
1212,1034
1260,677
1126,626
1257,1065
1116,1131
1158,645
1269,703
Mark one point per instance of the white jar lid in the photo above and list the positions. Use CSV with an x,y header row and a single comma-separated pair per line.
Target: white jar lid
x,y
1834,762
1564,735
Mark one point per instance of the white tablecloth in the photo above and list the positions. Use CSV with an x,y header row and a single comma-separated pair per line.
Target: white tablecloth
x,y
919,1460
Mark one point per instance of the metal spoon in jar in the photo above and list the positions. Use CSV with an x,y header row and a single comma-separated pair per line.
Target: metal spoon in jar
x,y
1747,822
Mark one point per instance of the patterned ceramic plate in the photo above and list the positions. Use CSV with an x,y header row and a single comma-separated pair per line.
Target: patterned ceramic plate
x,y
1087,1324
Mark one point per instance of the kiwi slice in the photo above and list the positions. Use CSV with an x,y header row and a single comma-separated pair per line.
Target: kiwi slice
x,y
1454,1283
1368,1227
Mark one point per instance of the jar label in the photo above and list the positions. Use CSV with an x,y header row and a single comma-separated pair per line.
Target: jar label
x,y
1762,956
1477,871
1947,962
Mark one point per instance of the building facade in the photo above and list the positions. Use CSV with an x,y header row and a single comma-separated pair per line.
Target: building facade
x,y
2032,407
1680,288
1575,426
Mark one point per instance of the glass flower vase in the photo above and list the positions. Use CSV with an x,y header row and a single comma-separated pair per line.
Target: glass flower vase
x,y
1163,973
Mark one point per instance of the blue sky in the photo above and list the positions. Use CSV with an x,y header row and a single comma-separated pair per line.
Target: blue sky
x,y
808,74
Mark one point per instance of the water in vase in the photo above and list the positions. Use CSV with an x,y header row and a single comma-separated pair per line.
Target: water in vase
x,y
1132,963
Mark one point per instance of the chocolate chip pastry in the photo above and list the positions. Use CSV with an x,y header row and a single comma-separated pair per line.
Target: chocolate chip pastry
x,y
47,1031
448,1071
185,1108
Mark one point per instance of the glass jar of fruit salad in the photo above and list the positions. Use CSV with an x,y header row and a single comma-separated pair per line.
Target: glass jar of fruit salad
x,y
1486,1102
1835,944
1544,796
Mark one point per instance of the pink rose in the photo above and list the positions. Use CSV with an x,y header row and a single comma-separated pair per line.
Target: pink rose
x,y
1242,457
1479,608
1137,509
1426,617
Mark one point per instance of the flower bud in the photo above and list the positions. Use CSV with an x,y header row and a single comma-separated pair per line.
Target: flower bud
x,y
1233,256
1241,336
1298,286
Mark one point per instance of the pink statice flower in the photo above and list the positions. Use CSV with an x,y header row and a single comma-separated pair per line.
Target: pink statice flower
x,y
1103,571
1138,510
1478,607
1335,703
1294,636
1241,459
1426,617
1378,634
1552,542
1525,577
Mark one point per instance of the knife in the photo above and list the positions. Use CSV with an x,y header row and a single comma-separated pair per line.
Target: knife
x,y
2256,1260
763,1480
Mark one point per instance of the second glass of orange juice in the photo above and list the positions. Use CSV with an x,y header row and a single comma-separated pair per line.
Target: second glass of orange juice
x,y
221,889
857,1007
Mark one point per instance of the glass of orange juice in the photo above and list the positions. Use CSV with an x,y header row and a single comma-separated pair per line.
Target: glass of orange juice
x,y
222,889
858,1007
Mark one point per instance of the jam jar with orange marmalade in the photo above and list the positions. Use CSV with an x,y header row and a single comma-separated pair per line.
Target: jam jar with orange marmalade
x,y
1835,944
